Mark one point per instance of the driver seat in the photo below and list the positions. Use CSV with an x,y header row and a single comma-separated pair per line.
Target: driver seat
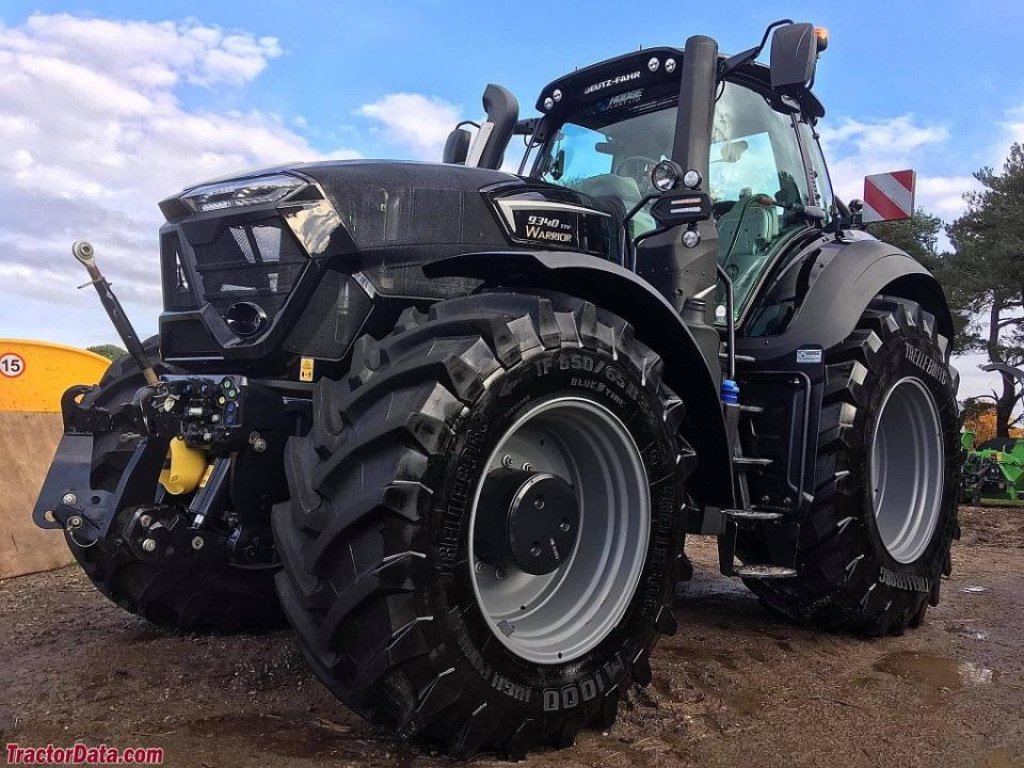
x,y
754,228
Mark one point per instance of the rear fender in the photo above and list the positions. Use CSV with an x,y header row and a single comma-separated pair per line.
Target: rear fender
x,y
832,283
655,323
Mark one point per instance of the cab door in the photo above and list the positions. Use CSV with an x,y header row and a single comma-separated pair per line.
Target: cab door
x,y
758,186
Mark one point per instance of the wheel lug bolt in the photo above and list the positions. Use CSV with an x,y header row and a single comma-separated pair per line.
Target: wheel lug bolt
x,y
501,573
479,567
538,503
564,527
507,461
535,550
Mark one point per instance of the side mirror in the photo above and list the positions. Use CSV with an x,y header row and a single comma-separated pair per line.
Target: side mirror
x,y
793,57
456,148
888,196
732,151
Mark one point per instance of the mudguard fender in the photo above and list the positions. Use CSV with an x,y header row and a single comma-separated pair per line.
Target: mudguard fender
x,y
655,323
834,282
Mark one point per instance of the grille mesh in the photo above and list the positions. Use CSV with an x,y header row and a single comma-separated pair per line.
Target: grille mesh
x,y
258,262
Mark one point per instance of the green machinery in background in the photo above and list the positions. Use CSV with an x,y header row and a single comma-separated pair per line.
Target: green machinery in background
x,y
994,471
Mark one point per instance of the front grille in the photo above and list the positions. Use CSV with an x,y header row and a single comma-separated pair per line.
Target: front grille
x,y
176,287
256,262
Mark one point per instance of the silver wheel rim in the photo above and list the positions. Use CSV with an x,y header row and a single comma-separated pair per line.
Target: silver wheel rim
x,y
557,617
907,469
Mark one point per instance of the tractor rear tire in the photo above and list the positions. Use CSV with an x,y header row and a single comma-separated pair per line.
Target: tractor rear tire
x,y
877,538
179,594
382,582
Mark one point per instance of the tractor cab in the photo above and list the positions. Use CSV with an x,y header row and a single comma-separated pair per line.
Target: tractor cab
x,y
606,139
612,132
630,130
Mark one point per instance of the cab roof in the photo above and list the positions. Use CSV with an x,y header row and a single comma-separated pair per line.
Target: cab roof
x,y
657,70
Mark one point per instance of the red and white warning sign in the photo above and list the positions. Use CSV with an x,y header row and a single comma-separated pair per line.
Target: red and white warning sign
x,y
889,196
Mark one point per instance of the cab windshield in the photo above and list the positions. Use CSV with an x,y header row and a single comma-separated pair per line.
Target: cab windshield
x,y
609,156
756,178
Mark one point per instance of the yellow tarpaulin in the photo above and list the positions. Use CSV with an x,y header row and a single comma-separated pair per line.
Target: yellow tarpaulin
x,y
34,374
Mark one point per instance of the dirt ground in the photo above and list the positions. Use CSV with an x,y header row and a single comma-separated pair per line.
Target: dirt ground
x,y
737,685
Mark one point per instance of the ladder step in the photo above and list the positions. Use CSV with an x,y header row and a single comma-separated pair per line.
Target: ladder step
x,y
755,571
748,462
751,515
739,358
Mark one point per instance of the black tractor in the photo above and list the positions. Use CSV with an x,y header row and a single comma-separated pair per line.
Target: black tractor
x,y
453,423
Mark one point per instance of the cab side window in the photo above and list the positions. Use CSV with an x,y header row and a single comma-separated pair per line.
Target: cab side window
x,y
756,180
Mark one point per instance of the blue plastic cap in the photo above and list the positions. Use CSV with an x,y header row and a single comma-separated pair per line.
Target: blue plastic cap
x,y
730,392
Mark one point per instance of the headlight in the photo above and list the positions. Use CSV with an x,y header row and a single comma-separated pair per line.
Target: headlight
x,y
666,175
241,193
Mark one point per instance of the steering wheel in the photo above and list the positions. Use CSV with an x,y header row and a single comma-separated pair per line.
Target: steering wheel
x,y
637,167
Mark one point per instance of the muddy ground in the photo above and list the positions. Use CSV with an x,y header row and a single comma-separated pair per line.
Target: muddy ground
x,y
737,686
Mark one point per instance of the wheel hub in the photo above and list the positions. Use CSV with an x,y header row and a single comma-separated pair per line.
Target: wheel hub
x,y
907,469
530,521
580,460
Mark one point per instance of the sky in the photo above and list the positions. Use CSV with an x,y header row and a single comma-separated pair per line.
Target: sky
x,y
108,107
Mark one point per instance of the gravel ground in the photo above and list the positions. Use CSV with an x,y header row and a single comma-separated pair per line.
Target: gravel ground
x,y
737,685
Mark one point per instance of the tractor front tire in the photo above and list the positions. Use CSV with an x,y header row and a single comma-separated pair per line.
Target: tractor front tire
x,y
398,577
877,538
180,594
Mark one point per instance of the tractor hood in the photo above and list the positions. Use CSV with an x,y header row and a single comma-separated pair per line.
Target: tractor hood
x,y
247,253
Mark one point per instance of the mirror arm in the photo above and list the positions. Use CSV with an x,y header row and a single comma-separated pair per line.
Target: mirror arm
x,y
639,206
633,243
526,127
750,54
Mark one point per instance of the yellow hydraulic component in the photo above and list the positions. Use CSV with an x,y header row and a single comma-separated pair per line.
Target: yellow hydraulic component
x,y
184,469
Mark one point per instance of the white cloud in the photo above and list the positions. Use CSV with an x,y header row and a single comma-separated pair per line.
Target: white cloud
x,y
93,134
858,148
973,380
416,123
1013,129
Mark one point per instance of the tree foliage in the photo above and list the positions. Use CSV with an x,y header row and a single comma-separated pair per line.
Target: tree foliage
x,y
984,275
918,235
110,351
980,418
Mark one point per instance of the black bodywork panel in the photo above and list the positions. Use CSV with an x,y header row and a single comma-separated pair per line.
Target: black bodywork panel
x,y
344,256
818,294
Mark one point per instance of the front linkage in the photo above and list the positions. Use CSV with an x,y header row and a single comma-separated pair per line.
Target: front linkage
x,y
212,418
213,415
